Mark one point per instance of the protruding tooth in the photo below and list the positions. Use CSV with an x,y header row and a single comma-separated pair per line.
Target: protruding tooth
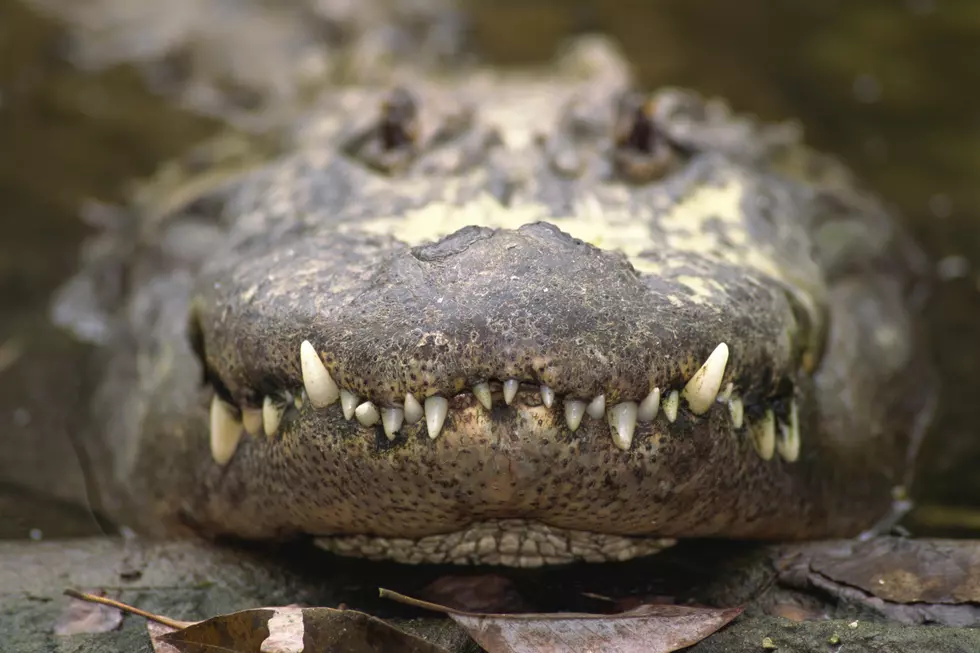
x,y
436,409
574,411
547,396
701,390
788,444
348,402
252,419
737,410
226,431
649,407
764,436
482,392
319,384
597,407
413,409
391,419
367,414
671,404
510,390
271,415
622,423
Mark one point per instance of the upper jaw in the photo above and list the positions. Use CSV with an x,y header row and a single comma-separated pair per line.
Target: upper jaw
x,y
486,312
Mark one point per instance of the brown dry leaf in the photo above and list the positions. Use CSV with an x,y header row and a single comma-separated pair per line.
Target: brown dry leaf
x,y
293,630
647,629
288,629
81,616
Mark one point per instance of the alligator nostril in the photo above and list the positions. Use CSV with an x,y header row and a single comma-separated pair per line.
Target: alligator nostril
x,y
451,245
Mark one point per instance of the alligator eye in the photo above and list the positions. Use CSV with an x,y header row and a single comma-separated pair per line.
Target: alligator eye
x,y
391,143
398,128
641,152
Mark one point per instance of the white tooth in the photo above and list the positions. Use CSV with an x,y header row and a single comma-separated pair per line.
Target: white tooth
x,y
574,411
788,444
413,409
252,419
271,415
319,384
226,431
547,396
391,419
436,409
482,392
597,407
726,394
622,423
737,410
649,407
701,390
671,404
348,402
367,414
510,390
764,436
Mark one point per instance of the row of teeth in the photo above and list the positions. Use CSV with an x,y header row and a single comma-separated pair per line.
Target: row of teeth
x,y
701,392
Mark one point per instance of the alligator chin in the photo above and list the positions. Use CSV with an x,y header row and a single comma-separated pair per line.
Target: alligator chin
x,y
645,320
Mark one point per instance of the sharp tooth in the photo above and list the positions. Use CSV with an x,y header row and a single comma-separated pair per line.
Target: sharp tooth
x,y
252,419
574,411
737,410
788,444
597,407
671,403
726,394
271,415
319,384
622,423
701,390
348,402
436,409
391,419
547,396
649,406
764,436
482,392
413,409
226,431
510,390
367,414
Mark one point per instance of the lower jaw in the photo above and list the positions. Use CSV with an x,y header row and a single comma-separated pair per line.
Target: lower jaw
x,y
504,542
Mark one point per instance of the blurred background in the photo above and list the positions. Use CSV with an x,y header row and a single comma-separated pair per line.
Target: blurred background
x,y
97,94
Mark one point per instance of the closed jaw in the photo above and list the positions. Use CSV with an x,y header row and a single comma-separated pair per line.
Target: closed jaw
x,y
704,390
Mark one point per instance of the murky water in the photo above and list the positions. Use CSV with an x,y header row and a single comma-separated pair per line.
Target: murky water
x,y
889,86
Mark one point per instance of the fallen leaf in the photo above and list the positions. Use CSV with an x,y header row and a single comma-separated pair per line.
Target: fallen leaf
x,y
646,629
82,616
288,629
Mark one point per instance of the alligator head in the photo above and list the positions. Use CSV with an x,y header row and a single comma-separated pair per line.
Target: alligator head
x,y
521,320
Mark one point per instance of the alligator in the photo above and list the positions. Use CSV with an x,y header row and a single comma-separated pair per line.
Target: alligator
x,y
515,318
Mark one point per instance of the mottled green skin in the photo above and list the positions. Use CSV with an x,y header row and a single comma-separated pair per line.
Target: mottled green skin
x,y
746,238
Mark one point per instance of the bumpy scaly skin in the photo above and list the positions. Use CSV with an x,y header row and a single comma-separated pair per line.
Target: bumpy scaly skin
x,y
527,244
